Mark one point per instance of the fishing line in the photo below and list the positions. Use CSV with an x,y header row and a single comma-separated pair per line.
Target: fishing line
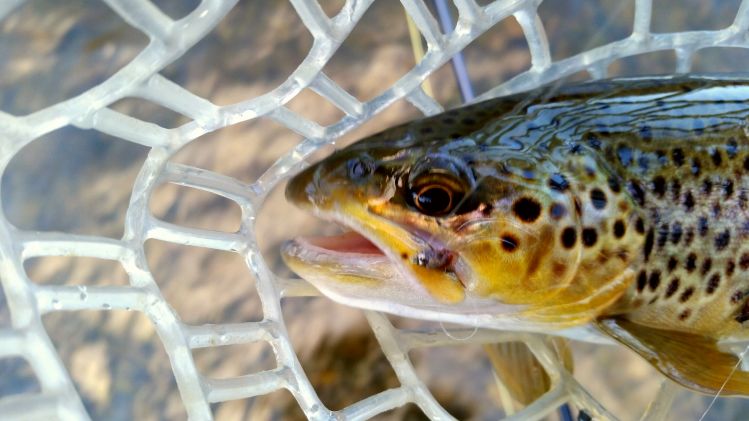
x,y
723,386
455,338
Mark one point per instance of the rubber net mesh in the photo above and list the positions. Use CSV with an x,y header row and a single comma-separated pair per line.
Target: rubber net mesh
x,y
25,336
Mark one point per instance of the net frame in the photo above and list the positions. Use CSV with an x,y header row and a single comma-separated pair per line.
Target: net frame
x,y
168,40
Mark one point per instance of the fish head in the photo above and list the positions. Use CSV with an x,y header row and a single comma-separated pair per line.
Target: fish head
x,y
441,224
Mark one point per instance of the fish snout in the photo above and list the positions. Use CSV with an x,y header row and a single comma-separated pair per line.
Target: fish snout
x,y
301,190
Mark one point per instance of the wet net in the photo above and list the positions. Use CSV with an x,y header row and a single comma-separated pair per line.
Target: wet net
x,y
25,336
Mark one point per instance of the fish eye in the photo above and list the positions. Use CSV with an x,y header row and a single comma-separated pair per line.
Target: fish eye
x,y
434,199
437,184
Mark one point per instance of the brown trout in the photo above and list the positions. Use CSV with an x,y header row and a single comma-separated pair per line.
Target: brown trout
x,y
620,206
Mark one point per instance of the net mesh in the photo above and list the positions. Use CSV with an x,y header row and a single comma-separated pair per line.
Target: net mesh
x,y
169,39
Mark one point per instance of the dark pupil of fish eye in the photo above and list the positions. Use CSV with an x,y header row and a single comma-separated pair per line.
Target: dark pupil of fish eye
x,y
434,199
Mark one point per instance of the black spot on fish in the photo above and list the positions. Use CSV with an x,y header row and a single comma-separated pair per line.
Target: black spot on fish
x,y
638,194
659,186
702,226
685,314
716,157
722,240
707,264
426,130
672,287
590,236
736,297
686,295
678,156
642,280
509,243
716,208
746,163
654,280
672,263
676,232
558,182
712,283
614,185
744,261
742,199
598,198
640,226
691,263
569,237
730,267
663,232
619,228
526,209
648,247
689,237
468,121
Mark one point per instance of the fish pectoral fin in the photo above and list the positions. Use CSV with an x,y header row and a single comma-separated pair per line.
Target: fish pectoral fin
x,y
693,361
519,370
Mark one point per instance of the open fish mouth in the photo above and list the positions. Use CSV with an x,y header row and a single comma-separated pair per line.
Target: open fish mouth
x,y
378,263
347,257
354,263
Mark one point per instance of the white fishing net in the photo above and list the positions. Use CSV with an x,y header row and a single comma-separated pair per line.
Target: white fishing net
x,y
25,335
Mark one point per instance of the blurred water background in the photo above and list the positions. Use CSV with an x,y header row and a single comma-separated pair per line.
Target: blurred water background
x,y
79,181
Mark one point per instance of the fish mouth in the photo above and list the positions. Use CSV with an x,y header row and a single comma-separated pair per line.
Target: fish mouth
x,y
347,245
348,257
375,258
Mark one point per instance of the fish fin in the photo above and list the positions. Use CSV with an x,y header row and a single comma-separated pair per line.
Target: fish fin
x,y
693,361
519,370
